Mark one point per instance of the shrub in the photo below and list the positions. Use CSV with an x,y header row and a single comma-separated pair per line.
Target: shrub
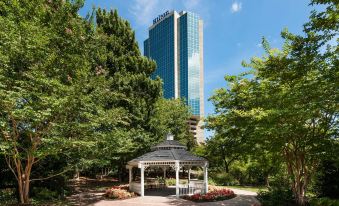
x,y
211,182
43,193
223,178
324,201
276,197
119,192
7,196
170,182
214,195
327,180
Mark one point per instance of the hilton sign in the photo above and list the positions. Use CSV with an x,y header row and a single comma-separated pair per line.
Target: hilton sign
x,y
160,17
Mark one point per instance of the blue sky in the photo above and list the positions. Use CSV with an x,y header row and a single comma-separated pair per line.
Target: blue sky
x,y
232,29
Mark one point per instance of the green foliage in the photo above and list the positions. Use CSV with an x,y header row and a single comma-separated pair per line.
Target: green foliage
x,y
223,179
42,193
211,182
324,201
75,95
170,181
7,196
276,198
288,105
45,76
327,180
170,116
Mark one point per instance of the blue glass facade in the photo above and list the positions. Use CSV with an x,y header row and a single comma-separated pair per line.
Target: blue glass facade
x,y
181,32
146,48
190,61
161,50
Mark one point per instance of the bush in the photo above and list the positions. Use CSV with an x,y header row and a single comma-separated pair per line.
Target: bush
x,y
119,192
214,195
276,197
223,178
211,182
327,180
43,193
170,182
7,196
324,201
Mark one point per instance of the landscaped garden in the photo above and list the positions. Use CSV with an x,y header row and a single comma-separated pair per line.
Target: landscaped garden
x,y
77,99
119,192
211,196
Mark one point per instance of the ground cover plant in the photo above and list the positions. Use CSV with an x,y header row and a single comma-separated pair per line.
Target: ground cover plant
x,y
120,192
212,195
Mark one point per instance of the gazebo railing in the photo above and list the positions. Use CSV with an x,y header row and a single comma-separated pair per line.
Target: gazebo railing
x,y
191,189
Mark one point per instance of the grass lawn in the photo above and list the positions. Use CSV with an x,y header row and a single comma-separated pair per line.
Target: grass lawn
x,y
249,188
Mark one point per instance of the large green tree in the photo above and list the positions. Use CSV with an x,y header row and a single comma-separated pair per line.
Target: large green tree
x,y
170,116
116,54
72,86
41,58
51,98
288,102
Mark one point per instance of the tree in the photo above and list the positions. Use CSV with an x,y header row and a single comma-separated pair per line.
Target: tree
x,y
48,99
116,54
288,101
74,87
170,116
229,143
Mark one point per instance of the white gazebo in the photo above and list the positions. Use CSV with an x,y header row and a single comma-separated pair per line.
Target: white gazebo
x,y
168,154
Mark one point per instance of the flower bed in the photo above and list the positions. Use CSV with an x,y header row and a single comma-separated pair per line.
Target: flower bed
x,y
119,192
214,195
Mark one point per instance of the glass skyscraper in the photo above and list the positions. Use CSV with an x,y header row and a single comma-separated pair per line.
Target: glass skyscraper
x,y
175,43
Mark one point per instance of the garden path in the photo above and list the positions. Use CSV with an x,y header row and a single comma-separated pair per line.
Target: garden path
x,y
90,193
243,198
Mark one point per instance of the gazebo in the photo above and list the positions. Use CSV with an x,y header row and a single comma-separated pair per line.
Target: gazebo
x,y
168,154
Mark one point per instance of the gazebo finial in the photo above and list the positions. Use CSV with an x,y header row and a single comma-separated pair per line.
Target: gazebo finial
x,y
170,136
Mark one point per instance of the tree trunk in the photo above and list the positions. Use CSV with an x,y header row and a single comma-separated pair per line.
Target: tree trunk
x,y
24,181
297,169
267,181
226,166
77,173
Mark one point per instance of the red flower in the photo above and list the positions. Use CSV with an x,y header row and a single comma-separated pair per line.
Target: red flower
x,y
213,195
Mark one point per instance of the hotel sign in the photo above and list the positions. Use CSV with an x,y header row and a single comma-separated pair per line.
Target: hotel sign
x,y
161,16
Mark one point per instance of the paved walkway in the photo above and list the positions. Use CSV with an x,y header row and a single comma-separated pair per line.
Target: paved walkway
x,y
244,198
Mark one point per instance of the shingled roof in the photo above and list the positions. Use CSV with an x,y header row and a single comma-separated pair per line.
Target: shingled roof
x,y
168,150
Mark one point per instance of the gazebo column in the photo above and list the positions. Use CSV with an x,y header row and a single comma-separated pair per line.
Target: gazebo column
x,y
142,180
130,178
205,178
177,168
164,169
189,175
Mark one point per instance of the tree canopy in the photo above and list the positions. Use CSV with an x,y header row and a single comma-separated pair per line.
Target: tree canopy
x,y
75,91
288,101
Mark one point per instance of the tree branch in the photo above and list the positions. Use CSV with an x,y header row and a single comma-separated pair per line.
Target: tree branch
x,y
8,161
45,178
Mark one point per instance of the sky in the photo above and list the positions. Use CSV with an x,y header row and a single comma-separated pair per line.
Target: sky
x,y
232,29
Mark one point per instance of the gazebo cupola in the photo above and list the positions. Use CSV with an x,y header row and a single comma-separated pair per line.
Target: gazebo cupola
x,y
169,153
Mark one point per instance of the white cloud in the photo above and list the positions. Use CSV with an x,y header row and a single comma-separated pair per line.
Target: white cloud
x,y
145,11
236,7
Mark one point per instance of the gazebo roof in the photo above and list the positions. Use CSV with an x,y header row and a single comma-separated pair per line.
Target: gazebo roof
x,y
166,155
168,151
169,144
